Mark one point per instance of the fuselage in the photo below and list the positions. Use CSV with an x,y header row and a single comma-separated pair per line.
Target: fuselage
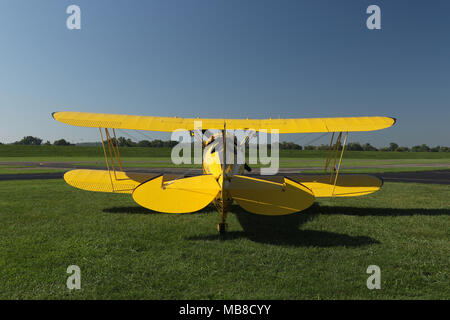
x,y
222,168
213,157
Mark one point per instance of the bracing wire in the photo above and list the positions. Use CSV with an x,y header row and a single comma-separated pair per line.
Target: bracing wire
x,y
316,139
128,135
144,135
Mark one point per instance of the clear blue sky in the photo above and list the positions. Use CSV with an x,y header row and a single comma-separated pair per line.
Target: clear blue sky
x,y
227,58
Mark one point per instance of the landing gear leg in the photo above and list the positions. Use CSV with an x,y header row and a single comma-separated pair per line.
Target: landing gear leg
x,y
222,227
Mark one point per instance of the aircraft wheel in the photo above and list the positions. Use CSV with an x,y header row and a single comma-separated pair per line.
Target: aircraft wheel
x,y
222,227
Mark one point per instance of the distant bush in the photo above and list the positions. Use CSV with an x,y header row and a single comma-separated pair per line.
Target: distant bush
x,y
435,149
369,147
62,142
144,143
29,141
124,142
393,146
421,148
355,146
322,147
290,146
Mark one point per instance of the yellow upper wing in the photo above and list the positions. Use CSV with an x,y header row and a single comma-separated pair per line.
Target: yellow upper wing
x,y
169,124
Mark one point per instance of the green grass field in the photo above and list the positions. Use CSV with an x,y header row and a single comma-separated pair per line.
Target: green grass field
x,y
128,252
125,251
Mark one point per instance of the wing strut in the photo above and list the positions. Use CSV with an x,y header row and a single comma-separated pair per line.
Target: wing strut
x,y
327,161
113,151
339,165
334,150
332,155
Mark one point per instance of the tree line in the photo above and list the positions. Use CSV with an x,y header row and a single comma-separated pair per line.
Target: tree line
x,y
35,141
352,146
356,146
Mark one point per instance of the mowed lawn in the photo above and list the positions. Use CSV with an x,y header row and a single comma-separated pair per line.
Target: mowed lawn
x,y
127,252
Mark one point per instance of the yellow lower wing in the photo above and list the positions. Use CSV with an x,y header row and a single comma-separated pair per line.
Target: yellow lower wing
x,y
347,185
273,198
106,181
177,196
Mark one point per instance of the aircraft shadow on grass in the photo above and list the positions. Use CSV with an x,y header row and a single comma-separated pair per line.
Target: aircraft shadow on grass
x,y
284,230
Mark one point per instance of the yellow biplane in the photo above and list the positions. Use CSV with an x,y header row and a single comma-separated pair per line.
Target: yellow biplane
x,y
221,182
